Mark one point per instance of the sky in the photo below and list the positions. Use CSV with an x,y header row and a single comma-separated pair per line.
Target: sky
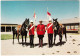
x,y
17,11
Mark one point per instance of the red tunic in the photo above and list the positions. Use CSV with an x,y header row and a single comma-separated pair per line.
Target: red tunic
x,y
31,31
40,29
50,29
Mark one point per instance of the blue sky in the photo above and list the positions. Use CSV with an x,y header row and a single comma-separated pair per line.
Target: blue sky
x,y
17,11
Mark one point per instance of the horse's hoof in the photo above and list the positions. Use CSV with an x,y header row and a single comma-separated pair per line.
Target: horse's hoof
x,y
60,42
53,43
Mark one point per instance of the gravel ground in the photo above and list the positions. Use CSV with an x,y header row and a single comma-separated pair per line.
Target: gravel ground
x,y
71,47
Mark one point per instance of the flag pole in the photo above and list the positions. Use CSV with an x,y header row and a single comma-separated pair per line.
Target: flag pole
x,y
47,18
47,8
47,11
34,19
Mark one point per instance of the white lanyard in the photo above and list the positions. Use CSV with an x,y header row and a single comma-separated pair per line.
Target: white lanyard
x,y
50,25
31,27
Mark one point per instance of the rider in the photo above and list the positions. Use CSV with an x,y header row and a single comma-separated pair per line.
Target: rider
x,y
50,32
31,33
40,32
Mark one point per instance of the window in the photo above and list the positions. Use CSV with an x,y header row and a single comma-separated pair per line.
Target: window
x,y
72,27
68,27
8,29
2,29
76,27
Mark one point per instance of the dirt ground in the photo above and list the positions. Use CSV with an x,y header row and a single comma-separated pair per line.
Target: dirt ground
x,y
71,47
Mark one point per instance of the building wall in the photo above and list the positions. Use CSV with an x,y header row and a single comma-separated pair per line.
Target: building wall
x,y
7,27
72,27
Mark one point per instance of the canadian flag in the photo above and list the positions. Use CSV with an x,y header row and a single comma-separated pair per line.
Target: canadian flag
x,y
49,15
34,15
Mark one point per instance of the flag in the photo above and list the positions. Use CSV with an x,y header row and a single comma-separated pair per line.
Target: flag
x,y
49,15
34,15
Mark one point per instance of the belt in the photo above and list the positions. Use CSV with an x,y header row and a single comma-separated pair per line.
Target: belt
x,y
40,30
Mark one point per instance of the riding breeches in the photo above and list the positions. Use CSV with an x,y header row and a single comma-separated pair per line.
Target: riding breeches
x,y
50,39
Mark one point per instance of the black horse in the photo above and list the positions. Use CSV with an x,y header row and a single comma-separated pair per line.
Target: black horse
x,y
58,30
22,31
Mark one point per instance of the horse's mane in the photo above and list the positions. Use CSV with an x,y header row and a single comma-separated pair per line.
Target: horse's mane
x,y
57,23
23,24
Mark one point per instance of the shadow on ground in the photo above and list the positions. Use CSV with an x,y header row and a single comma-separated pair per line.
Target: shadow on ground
x,y
60,44
26,44
44,44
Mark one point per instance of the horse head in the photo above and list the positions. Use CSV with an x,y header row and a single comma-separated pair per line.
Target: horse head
x,y
26,22
55,23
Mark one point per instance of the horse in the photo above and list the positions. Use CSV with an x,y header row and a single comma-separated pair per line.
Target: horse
x,y
59,30
21,31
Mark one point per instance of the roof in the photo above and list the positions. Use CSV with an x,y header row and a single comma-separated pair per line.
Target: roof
x,y
8,24
73,20
45,22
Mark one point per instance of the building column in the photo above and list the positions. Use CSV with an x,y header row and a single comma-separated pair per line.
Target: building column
x,y
79,29
5,28
74,26
70,26
11,28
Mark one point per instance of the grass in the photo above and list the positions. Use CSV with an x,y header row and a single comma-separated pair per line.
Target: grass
x,y
6,36
10,36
